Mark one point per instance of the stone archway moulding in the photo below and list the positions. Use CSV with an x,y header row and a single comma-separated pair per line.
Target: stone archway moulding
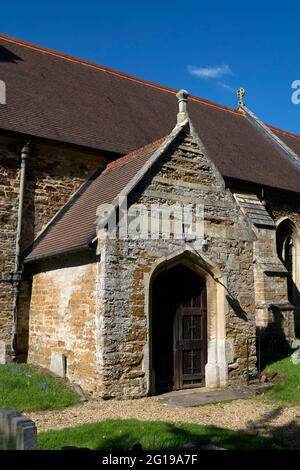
x,y
216,370
296,241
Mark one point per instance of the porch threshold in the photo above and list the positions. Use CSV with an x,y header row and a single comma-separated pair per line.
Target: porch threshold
x,y
202,396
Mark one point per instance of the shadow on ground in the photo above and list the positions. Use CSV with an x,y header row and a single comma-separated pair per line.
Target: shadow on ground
x,y
289,433
124,434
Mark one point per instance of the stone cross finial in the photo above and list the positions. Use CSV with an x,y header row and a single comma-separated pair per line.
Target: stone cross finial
x,y
240,94
182,96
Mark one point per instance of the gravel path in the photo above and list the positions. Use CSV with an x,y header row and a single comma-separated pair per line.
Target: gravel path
x,y
255,416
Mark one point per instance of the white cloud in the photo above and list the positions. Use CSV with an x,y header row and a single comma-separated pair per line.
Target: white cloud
x,y
226,86
215,71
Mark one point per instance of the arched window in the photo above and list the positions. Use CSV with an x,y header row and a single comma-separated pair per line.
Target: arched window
x,y
287,243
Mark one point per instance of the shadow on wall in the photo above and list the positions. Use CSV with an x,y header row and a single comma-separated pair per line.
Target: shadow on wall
x,y
23,322
236,307
28,228
294,298
271,342
296,302
8,56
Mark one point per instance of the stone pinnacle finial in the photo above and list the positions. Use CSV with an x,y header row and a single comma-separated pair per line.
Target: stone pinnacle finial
x,y
182,96
240,94
26,150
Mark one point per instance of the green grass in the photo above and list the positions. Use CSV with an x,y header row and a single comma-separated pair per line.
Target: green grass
x,y
123,434
289,389
24,389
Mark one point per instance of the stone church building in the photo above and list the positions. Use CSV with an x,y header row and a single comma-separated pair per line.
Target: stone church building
x,y
128,316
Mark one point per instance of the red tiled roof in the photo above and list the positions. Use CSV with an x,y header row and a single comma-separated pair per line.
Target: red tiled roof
x,y
279,131
76,225
110,70
136,153
58,97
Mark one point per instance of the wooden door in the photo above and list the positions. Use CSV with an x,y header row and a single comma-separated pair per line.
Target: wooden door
x,y
190,342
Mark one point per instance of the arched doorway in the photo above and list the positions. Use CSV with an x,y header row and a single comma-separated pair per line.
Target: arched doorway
x,y
179,329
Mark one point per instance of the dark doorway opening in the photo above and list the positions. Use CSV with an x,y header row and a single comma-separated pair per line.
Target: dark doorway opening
x,y
179,329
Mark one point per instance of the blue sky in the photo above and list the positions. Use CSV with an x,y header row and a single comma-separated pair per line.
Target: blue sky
x,y
209,48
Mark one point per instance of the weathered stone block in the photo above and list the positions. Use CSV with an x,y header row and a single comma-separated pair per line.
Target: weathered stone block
x,y
3,352
58,364
229,351
295,357
295,344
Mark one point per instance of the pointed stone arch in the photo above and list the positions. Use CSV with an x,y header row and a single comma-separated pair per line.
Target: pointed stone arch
x,y
288,250
216,372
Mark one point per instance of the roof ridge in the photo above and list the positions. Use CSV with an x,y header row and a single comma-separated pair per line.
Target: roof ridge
x,y
134,153
142,81
113,71
282,131
268,131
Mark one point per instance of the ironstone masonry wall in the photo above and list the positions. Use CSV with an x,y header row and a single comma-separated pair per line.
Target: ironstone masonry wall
x,y
124,319
8,223
63,320
53,174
